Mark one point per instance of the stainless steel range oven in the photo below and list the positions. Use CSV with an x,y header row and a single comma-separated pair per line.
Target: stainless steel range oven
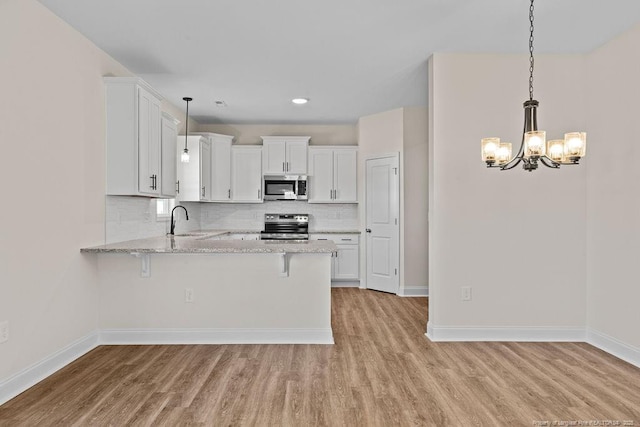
x,y
285,227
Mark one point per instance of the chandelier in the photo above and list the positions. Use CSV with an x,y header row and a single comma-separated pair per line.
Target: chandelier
x,y
534,148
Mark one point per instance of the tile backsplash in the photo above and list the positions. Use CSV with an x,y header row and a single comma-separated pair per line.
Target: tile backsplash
x,y
130,218
250,216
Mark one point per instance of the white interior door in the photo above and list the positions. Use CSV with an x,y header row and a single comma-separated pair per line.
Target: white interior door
x,y
382,221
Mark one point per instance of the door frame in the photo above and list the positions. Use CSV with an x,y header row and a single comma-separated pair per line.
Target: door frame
x,y
364,257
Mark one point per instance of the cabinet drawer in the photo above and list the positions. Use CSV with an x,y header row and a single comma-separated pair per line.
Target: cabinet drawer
x,y
342,239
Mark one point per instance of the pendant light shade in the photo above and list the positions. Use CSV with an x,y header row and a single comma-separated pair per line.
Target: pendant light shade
x,y
184,158
534,148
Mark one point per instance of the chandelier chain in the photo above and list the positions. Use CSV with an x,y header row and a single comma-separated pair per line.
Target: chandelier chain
x,y
531,61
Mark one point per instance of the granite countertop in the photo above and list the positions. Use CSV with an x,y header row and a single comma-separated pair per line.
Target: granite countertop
x,y
207,242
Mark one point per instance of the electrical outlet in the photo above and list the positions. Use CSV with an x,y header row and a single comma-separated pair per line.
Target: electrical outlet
x,y
188,294
466,293
4,331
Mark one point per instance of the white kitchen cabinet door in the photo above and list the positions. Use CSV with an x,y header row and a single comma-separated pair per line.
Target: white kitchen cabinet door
x,y
274,157
345,176
320,175
133,137
333,175
149,113
169,137
221,168
205,170
296,157
246,174
189,187
346,265
285,155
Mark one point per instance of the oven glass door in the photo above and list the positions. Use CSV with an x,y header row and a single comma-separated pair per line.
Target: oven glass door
x,y
280,189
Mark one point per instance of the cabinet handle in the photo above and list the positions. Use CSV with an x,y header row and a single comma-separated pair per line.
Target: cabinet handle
x,y
203,188
151,186
288,167
178,187
283,169
229,193
346,240
259,194
322,239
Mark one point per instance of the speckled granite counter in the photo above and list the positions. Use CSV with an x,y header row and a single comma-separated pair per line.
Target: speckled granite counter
x,y
210,242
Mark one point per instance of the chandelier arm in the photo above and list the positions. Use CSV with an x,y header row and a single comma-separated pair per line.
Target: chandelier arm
x,y
512,164
518,157
549,163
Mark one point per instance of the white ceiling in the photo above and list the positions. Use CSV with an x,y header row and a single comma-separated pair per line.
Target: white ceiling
x,y
351,58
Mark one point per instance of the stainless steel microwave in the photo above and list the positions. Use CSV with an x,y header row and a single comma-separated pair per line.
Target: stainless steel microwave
x,y
285,187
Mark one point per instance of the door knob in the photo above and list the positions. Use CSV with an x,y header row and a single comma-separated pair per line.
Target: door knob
x,y
368,230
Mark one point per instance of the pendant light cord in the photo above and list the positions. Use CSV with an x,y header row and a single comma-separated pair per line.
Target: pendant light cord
x,y
531,62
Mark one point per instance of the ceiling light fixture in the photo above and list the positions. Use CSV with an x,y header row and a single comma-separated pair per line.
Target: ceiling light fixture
x,y
184,158
534,148
300,101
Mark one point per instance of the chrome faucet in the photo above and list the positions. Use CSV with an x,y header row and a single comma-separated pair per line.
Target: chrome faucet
x,y
173,224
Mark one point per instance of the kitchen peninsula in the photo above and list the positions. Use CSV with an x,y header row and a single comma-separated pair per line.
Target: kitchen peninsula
x,y
201,288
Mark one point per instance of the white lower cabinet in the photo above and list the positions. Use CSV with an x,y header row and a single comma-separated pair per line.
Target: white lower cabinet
x,y
346,263
242,236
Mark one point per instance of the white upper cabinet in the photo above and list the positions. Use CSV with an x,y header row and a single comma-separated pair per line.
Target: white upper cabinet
x,y
133,139
221,167
333,174
169,134
194,178
246,174
205,170
284,155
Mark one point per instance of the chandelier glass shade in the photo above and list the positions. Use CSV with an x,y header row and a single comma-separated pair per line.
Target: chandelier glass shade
x,y
534,147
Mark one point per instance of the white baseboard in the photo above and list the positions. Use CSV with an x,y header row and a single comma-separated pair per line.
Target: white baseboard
x,y
539,334
345,284
414,291
30,376
614,347
216,336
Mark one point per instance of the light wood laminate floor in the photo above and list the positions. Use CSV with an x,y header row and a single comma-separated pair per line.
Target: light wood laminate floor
x,y
382,371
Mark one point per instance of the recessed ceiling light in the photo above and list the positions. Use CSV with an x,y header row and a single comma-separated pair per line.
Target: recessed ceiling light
x,y
300,101
220,103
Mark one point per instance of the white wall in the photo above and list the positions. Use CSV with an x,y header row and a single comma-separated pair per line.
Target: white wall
x,y
613,197
52,135
379,134
416,184
320,134
517,238
403,131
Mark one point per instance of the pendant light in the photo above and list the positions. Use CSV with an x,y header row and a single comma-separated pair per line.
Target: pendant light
x,y
184,158
534,148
